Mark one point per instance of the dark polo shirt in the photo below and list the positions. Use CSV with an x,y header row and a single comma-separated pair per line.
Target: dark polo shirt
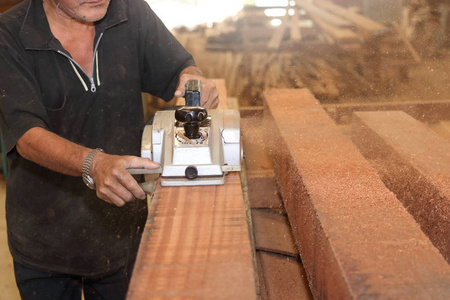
x,y
55,223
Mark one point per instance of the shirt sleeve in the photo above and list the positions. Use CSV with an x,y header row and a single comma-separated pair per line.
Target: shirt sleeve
x,y
20,105
163,56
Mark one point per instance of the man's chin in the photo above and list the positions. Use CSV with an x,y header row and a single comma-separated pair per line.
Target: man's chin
x,y
92,17
93,13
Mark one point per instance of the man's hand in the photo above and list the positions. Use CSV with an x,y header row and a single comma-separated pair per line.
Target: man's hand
x,y
209,97
113,183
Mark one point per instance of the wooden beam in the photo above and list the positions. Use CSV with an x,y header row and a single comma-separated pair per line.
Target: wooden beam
x,y
261,181
195,245
356,239
414,163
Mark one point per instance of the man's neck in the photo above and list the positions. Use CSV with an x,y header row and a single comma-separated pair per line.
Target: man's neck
x,y
77,37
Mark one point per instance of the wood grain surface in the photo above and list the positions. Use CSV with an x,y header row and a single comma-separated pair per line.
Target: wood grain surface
x,y
195,245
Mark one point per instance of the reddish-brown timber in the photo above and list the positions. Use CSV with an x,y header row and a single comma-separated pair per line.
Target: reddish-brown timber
x,y
195,245
356,239
414,162
261,181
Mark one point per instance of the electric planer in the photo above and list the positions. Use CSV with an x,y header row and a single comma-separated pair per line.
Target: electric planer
x,y
194,146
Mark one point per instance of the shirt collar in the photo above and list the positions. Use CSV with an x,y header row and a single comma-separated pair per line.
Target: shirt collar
x,y
36,34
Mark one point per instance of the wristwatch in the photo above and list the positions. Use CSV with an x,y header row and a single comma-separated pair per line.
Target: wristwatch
x,y
87,179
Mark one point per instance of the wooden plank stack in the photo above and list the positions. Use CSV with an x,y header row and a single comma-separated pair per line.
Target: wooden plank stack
x,y
334,51
356,239
305,24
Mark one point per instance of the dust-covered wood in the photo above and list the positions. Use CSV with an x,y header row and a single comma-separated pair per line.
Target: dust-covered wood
x,y
414,163
356,239
195,245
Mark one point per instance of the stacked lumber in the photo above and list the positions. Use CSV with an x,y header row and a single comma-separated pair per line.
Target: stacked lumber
x,y
304,25
356,239
330,77
334,51
254,31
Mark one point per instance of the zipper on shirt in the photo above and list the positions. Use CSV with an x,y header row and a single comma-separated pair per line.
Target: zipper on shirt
x,y
95,70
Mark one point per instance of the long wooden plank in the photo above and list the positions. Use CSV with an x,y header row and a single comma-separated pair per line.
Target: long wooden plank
x,y
356,239
414,163
284,278
261,181
196,243
272,232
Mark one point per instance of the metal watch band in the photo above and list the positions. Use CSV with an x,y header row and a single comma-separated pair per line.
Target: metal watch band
x,y
87,179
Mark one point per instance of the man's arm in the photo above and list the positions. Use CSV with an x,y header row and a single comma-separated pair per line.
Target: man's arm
x,y
113,183
209,96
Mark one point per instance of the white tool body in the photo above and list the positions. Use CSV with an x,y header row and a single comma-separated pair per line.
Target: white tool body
x,y
202,158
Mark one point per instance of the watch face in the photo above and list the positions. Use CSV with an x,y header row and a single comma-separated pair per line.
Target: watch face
x,y
89,182
86,166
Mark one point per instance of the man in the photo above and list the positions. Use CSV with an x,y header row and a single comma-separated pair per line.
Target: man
x,y
71,82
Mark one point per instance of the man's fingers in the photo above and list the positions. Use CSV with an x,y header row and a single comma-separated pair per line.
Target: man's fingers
x,y
114,183
142,163
181,88
209,93
108,196
212,100
120,187
179,93
127,188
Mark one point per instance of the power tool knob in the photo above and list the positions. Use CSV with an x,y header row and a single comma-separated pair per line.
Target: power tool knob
x,y
191,117
191,114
